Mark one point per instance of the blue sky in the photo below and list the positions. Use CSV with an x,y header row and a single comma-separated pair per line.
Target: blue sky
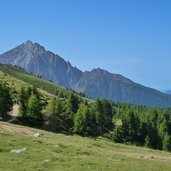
x,y
130,37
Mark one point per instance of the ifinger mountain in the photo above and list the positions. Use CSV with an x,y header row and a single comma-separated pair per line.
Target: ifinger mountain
x,y
96,83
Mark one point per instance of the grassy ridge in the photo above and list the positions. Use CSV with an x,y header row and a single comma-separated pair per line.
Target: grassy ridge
x,y
17,77
61,152
15,84
31,79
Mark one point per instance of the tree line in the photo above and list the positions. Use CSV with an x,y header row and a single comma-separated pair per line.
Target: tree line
x,y
123,123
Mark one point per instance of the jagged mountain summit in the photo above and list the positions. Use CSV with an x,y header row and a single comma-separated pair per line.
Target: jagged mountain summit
x,y
96,83
34,58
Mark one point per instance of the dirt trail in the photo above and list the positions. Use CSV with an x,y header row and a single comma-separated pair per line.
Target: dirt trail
x,y
15,110
14,113
15,129
145,156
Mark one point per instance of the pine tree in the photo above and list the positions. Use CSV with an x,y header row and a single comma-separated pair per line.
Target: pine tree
x,y
34,112
167,143
73,103
5,100
147,142
107,115
51,107
23,100
83,123
54,112
98,112
118,131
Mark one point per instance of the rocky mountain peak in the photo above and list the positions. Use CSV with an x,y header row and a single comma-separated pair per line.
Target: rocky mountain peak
x,y
97,70
36,59
104,73
28,43
31,47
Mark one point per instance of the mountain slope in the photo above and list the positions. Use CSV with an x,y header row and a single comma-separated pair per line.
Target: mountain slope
x,y
34,58
10,75
16,78
118,88
62,152
96,83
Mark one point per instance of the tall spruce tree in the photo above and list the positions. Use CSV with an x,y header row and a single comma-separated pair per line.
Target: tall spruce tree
x,y
34,112
167,142
23,100
83,122
107,115
73,103
5,100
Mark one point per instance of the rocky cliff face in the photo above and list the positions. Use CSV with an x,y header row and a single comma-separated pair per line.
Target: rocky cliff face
x,y
96,83
34,58
116,87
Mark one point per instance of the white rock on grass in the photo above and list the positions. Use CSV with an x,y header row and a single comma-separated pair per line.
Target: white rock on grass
x,y
38,135
19,150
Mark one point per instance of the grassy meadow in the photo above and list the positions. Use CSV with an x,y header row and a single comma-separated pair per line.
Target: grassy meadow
x,y
71,153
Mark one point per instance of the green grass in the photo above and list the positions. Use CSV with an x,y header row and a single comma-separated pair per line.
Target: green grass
x,y
31,79
15,85
62,152
17,77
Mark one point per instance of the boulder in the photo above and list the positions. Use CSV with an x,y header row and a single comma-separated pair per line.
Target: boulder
x,y
19,150
38,135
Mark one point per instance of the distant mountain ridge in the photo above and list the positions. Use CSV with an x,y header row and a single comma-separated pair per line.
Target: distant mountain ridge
x,y
168,92
165,91
96,83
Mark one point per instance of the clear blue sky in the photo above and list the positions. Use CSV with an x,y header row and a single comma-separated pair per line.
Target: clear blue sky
x,y
130,37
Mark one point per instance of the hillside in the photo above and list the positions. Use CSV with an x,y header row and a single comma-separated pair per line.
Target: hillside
x,y
17,77
62,152
73,114
96,83
116,87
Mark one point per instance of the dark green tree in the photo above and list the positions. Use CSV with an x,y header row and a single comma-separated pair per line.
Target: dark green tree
x,y
107,115
147,142
51,107
99,112
5,100
54,113
119,130
83,122
167,142
60,94
73,103
152,129
34,112
23,100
